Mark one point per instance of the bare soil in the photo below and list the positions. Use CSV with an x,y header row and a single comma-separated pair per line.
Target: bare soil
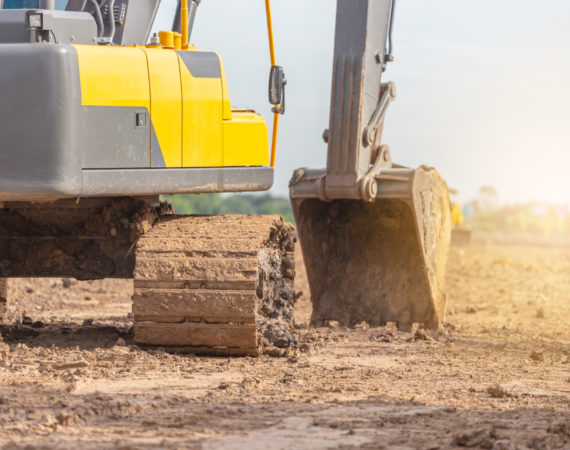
x,y
496,376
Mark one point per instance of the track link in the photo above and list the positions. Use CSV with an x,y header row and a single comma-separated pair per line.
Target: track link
x,y
215,285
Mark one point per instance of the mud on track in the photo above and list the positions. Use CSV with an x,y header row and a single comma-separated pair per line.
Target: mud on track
x,y
497,375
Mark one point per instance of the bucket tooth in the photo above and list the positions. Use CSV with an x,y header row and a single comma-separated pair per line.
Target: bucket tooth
x,y
381,261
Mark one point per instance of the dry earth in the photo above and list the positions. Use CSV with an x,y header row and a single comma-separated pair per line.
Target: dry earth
x,y
497,376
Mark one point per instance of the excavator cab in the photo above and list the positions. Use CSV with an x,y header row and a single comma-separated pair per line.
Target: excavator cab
x,y
374,234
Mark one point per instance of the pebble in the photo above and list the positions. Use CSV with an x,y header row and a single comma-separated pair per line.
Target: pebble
x,y
497,391
361,325
421,334
536,356
70,365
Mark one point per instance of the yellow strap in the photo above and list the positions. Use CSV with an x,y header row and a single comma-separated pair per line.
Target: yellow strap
x,y
274,138
272,57
270,31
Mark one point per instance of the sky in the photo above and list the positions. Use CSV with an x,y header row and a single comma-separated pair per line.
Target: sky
x,y
483,87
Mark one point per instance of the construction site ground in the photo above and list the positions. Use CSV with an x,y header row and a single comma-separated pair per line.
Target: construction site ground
x,y
497,375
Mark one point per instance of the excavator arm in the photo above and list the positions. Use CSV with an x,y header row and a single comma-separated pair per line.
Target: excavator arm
x,y
374,234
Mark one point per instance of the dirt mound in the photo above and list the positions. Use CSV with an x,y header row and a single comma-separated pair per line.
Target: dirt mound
x,y
89,239
78,381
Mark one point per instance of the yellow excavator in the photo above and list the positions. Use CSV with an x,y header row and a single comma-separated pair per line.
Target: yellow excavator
x,y
99,117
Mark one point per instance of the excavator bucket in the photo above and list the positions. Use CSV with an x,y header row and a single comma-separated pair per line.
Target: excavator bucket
x,y
381,261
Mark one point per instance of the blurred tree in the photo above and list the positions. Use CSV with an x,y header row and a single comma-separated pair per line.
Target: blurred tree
x,y
536,218
487,199
231,204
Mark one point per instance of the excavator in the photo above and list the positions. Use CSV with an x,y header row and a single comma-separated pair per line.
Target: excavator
x,y
99,117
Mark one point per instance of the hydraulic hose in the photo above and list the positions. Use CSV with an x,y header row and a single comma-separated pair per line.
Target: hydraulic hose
x,y
390,50
112,19
98,18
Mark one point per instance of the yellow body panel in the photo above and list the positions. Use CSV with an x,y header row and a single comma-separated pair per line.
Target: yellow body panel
x,y
166,104
245,140
113,76
456,214
227,106
191,116
202,120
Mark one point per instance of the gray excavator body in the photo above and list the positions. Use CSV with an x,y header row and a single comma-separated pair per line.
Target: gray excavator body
x,y
374,235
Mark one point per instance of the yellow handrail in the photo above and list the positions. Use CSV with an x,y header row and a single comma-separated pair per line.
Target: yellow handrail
x,y
272,57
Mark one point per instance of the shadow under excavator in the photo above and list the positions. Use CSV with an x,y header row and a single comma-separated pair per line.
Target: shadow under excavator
x,y
65,335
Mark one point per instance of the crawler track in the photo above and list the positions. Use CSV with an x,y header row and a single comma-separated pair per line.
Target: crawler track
x,y
215,285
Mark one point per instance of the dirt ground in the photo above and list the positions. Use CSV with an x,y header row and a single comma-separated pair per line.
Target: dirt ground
x,y
497,376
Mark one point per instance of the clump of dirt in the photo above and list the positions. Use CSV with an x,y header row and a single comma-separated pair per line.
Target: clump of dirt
x,y
276,291
91,239
124,217
481,438
497,391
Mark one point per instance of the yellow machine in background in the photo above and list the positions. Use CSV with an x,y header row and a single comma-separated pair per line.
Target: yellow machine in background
x,y
460,233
